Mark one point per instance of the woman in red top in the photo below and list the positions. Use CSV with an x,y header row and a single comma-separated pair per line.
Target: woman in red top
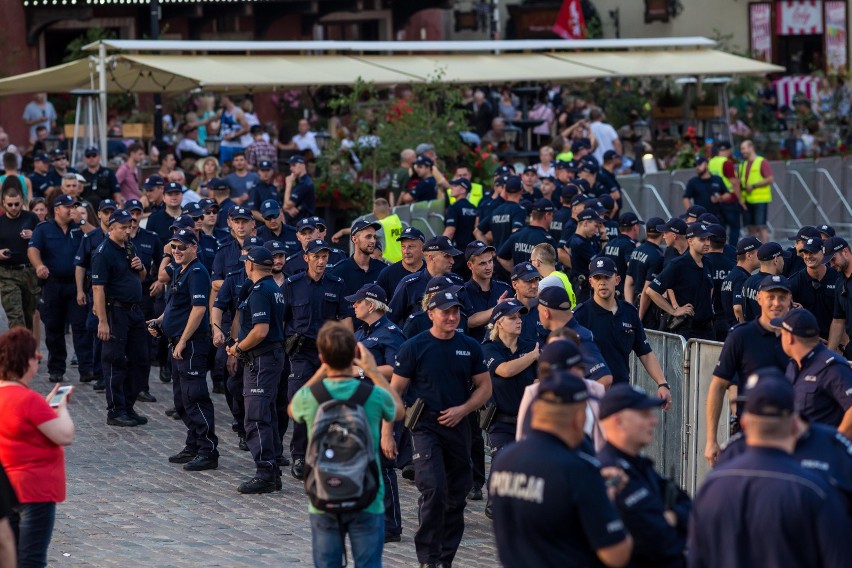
x,y
31,438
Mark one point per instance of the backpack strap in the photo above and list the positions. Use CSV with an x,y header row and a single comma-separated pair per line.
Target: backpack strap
x,y
362,393
320,392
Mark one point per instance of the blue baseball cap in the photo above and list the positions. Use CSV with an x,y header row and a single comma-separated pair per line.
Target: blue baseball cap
x,y
193,210
306,223
442,244
813,244
624,396
275,247
369,290
514,184
218,184
441,284
41,157
503,171
832,246
561,354
107,204
475,248
183,222
774,282
65,200
507,308
240,213
185,236
581,144
653,224
173,187
563,387
588,166
152,181
589,215
270,208
698,230
133,205
805,232
461,182
768,251
297,159
424,161
119,216
673,225
542,205
798,321
768,393
444,301
364,224
602,266
748,244
525,271
708,218
317,245
250,242
207,204
258,255
264,165
695,211
91,151
412,233
553,297
629,219
826,230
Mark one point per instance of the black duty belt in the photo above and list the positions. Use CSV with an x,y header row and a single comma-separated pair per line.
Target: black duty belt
x,y
15,266
123,305
506,418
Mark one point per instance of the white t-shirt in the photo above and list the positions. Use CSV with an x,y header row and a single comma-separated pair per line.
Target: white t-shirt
x,y
605,136
307,141
33,111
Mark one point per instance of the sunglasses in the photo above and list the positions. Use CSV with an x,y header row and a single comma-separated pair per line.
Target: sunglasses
x,y
180,247
18,204
271,217
211,212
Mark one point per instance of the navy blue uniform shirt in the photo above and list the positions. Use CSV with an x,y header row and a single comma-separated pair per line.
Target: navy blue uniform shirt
x,y
507,392
111,269
823,385
748,299
353,276
190,287
532,330
616,334
409,293
569,228
425,190
487,206
227,259
646,262
304,196
502,221
749,347
228,296
383,339
88,244
260,193
843,302
518,247
160,222
481,300
208,246
40,184
619,250
582,252
101,184
702,190
390,276
794,264
817,296
560,218
641,505
150,252
440,371
286,236
550,505
462,216
222,217
732,292
721,265
57,247
764,509
419,322
308,304
264,303
596,366
692,284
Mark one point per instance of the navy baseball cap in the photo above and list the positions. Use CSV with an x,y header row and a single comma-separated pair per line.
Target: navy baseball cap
x,y
369,290
258,255
563,387
217,184
629,219
275,247
503,171
542,205
700,160
424,161
723,145
133,205
412,233
798,321
610,155
832,246
578,199
696,211
153,181
317,245
584,185
443,301
748,244
364,224
475,248
589,167
602,266
525,271
500,181
507,308
58,152
513,184
698,230
805,232
240,213
461,182
91,151
530,168
581,144
813,244
173,187
624,396
183,222
297,159
569,190
441,284
561,165
119,216
717,233
774,282
206,204
250,242
673,225
264,165
185,236
550,179
561,354
826,230
768,393
65,200
320,223
306,223
193,210
41,157
441,244
270,208
708,218
768,251
607,202
107,204
553,297
653,225
589,215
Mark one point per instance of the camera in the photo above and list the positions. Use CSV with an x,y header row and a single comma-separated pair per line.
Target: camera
x,y
156,327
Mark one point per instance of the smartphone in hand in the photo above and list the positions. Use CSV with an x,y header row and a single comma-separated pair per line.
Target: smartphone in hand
x,y
60,395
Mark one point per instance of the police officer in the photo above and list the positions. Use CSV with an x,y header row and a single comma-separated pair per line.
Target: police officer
x,y
335,255
227,259
771,257
551,507
101,182
517,248
186,324
419,322
721,264
264,190
483,290
383,339
39,177
152,194
836,253
441,435
161,221
689,281
749,346
654,509
732,288
814,287
299,194
821,378
491,200
794,261
275,229
785,514
461,216
360,268
281,401
617,329
646,261
310,299
704,189
622,246
222,195
564,214
51,252
426,188
411,247
583,249
117,275
511,360
505,219
306,231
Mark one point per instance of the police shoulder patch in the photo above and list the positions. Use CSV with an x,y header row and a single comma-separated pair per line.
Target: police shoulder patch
x,y
334,278
296,277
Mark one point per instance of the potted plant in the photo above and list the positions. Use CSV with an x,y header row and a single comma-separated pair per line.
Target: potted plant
x,y
138,125
707,104
668,105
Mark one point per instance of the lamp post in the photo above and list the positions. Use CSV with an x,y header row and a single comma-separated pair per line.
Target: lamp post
x,y
158,98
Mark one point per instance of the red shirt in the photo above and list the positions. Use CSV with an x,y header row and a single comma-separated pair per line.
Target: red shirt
x,y
34,464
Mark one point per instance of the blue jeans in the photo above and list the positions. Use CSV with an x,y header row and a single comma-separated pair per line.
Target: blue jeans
x,y
366,535
32,524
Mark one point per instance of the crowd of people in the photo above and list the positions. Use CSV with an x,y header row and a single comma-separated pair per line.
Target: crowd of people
x,y
514,326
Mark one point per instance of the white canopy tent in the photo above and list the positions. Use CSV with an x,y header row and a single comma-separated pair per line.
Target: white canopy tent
x,y
223,66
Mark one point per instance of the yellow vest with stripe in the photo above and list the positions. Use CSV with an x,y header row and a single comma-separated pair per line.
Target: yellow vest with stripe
x,y
392,228
716,167
475,195
568,288
762,193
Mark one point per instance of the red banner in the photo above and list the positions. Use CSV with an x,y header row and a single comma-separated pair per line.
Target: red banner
x,y
570,23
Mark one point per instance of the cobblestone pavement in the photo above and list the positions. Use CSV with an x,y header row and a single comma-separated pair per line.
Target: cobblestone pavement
x,y
127,506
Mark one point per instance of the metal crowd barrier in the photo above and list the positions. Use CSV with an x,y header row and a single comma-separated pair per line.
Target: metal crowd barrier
x,y
678,447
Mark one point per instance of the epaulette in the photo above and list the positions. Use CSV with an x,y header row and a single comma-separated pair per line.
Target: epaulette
x,y
294,255
296,277
730,440
334,278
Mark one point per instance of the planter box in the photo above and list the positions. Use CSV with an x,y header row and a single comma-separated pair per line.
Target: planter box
x,y
703,112
81,131
137,130
667,112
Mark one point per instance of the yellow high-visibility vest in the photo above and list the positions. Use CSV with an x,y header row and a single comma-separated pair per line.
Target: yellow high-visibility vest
x,y
716,167
392,228
568,288
762,193
475,195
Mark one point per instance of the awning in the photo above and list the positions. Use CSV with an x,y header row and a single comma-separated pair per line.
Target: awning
x,y
670,63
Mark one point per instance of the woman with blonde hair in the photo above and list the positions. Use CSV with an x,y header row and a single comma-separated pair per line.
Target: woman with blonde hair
x,y
208,169
419,322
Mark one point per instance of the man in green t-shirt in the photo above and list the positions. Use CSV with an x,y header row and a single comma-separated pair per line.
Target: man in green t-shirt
x,y
337,351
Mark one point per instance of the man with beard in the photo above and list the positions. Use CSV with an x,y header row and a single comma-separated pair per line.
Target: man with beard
x,y
411,246
814,287
360,268
482,289
837,254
